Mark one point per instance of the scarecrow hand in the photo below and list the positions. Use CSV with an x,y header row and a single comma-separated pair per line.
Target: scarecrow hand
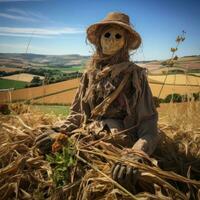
x,y
125,175
50,141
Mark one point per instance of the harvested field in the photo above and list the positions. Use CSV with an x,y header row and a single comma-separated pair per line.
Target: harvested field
x,y
60,98
31,93
25,174
178,79
9,69
21,77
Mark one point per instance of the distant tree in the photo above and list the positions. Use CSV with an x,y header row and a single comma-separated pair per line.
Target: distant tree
x,y
36,79
173,97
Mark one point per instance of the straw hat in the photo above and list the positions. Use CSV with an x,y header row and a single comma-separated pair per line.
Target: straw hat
x,y
117,18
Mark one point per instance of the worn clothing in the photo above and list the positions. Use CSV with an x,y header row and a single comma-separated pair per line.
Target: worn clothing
x,y
120,98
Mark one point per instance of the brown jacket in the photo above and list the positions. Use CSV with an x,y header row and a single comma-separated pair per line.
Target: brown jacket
x,y
118,96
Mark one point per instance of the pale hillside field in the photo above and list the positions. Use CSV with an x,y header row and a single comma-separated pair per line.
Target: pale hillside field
x,y
22,77
161,70
179,79
9,69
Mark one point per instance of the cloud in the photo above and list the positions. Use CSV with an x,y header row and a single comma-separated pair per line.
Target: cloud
x,y
29,15
25,16
17,17
38,32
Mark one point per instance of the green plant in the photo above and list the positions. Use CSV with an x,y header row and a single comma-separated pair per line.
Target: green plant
x,y
61,163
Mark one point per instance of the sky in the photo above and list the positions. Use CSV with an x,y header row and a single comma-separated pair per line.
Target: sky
x,y
58,27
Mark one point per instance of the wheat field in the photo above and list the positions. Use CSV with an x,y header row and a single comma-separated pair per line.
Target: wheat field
x,y
22,77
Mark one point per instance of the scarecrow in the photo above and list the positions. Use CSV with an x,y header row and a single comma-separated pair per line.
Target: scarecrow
x,y
113,96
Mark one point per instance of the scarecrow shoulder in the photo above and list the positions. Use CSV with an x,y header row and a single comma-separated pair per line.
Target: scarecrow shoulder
x,y
140,70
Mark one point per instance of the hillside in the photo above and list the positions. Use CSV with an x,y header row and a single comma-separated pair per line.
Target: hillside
x,y
190,63
37,60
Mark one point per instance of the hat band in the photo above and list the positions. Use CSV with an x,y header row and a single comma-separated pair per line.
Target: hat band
x,y
111,20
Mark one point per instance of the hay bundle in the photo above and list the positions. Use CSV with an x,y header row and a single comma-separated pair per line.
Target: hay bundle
x,y
25,174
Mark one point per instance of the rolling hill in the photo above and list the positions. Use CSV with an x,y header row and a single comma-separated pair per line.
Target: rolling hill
x,y
37,60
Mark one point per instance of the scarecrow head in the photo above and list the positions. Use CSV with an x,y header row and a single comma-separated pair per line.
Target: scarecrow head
x,y
113,35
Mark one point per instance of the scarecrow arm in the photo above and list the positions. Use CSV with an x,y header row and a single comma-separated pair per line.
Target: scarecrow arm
x,y
75,117
147,130
148,136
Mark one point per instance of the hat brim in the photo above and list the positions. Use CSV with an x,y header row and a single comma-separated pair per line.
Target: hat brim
x,y
135,39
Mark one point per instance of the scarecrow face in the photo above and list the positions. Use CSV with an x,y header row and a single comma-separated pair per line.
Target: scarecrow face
x,y
112,40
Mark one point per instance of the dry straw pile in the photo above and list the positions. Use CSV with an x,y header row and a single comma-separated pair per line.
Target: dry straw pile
x,y
82,170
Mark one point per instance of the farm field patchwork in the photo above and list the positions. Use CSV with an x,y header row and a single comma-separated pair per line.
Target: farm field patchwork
x,y
31,93
63,92
21,77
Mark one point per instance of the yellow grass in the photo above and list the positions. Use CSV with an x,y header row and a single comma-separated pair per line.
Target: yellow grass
x,y
25,173
184,115
21,77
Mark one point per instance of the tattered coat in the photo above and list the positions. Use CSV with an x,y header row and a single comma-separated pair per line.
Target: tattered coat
x,y
118,97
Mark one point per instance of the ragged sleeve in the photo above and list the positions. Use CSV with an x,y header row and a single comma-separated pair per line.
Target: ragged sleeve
x,y
75,117
147,118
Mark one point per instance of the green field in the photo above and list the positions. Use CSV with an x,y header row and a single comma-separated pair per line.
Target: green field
x,y
5,84
53,109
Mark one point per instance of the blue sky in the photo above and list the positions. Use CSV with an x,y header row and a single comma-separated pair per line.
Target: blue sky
x,y
58,26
